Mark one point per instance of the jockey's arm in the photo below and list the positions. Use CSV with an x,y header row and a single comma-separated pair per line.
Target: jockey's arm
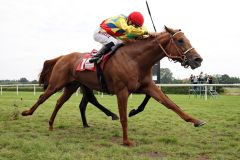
x,y
121,23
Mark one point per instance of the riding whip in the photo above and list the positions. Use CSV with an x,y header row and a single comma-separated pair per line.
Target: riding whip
x,y
149,12
157,66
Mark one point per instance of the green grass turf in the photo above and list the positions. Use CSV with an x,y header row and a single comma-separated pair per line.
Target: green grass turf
x,y
158,133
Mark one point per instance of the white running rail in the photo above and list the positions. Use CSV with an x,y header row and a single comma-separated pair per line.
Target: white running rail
x,y
159,85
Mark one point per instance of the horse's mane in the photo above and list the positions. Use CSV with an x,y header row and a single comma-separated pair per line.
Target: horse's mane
x,y
148,38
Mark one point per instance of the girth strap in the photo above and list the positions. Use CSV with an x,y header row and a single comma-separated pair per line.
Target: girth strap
x,y
99,69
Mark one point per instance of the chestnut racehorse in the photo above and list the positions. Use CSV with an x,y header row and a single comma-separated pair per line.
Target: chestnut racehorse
x,y
127,71
69,89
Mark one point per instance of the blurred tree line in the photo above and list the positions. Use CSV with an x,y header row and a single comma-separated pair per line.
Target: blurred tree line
x,y
22,80
166,78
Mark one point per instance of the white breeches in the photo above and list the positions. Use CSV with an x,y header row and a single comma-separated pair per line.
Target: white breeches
x,y
104,38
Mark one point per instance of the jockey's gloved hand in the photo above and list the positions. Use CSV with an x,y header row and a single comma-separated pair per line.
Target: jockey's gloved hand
x,y
152,34
145,33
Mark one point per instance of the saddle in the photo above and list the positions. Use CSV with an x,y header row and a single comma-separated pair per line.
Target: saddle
x,y
97,67
85,64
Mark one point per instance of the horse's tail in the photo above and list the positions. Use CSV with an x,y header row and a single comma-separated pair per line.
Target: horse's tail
x,y
46,72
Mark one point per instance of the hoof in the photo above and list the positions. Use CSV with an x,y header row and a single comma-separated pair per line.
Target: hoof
x,y
50,128
132,113
128,143
25,113
115,117
199,124
86,126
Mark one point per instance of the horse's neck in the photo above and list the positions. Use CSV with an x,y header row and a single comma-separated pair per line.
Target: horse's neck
x,y
148,52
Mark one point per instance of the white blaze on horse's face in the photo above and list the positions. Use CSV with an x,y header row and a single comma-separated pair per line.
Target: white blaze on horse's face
x,y
183,51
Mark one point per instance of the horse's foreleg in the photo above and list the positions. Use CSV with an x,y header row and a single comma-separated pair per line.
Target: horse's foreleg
x,y
158,95
42,98
122,98
68,91
82,107
95,102
88,96
92,99
141,107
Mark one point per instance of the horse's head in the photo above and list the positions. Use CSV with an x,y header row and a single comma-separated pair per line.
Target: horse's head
x,y
180,49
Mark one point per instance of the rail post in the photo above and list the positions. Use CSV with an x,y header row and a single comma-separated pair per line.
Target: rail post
x,y
34,90
17,88
206,92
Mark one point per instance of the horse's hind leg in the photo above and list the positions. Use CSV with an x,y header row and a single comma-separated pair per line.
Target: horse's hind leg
x,y
82,107
42,98
141,107
92,99
68,91
88,96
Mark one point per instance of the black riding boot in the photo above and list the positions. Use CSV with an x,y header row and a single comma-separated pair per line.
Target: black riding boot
x,y
105,49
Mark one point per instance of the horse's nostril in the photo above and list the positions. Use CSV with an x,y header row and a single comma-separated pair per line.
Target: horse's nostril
x,y
198,59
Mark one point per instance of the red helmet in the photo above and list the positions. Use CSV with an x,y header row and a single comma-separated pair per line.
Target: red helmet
x,y
136,18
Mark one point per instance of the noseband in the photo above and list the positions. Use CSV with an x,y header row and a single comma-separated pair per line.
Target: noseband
x,y
182,54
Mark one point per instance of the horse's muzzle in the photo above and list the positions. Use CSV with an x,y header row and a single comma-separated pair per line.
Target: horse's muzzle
x,y
194,61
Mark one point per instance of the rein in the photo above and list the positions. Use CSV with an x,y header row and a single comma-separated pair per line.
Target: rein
x,y
182,53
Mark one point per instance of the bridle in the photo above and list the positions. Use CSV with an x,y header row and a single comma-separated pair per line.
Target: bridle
x,y
182,54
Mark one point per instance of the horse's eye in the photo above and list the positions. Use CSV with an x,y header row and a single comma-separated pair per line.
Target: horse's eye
x,y
180,41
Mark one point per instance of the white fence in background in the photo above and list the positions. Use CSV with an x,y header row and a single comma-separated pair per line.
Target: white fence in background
x,y
205,86
19,85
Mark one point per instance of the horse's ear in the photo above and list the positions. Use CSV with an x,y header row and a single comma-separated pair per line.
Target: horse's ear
x,y
169,30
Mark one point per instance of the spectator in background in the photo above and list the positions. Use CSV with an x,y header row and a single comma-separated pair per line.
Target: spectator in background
x,y
201,78
195,81
206,78
191,78
210,81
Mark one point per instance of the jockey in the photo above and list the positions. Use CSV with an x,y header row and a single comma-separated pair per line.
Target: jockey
x,y
118,29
